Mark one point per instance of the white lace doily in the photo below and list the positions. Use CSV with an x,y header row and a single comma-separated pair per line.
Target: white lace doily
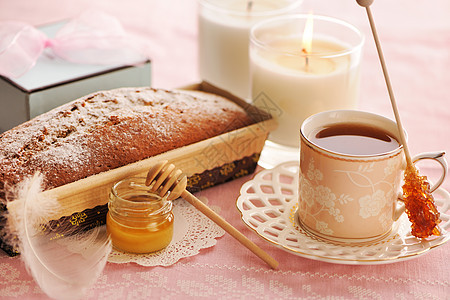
x,y
192,232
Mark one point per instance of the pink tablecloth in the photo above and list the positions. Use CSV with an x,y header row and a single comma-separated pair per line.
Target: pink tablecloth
x,y
416,41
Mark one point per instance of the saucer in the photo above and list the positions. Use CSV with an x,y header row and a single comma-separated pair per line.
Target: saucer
x,y
268,205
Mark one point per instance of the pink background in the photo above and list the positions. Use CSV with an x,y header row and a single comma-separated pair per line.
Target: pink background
x,y
416,41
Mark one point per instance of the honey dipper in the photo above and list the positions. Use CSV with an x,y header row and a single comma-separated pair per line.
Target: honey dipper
x,y
164,177
419,202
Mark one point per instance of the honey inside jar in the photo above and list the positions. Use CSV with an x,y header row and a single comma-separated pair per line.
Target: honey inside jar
x,y
138,221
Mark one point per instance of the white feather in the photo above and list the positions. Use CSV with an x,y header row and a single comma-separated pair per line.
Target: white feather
x,y
64,264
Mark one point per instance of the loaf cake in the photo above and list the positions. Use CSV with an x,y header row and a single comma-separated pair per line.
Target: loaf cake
x,y
109,129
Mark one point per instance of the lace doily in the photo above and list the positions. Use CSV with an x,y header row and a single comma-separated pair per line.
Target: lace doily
x,y
192,231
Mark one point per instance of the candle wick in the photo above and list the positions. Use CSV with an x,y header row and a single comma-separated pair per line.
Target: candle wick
x,y
306,59
249,6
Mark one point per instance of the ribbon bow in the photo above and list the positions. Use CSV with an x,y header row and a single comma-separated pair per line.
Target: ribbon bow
x,y
91,38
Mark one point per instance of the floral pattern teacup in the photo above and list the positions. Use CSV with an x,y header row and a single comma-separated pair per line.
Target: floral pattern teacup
x,y
351,198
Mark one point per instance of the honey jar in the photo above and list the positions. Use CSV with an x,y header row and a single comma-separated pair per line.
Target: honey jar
x,y
138,221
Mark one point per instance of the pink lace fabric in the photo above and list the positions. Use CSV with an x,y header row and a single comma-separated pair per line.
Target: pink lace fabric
x,y
92,38
415,38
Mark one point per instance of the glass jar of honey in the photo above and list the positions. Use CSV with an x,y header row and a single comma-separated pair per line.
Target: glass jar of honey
x,y
138,221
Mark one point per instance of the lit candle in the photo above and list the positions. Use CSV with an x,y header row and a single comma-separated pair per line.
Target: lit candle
x,y
224,27
297,72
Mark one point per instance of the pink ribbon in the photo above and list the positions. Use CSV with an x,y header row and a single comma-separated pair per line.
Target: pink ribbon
x,y
92,38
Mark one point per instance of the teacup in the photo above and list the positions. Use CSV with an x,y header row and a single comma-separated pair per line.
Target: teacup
x,y
349,193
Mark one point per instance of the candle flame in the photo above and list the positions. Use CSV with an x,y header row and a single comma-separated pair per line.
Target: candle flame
x,y
307,35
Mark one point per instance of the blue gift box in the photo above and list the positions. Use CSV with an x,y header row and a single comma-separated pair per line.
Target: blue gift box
x,y
54,81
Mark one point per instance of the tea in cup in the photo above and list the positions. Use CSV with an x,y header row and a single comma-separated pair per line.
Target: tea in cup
x,y
351,166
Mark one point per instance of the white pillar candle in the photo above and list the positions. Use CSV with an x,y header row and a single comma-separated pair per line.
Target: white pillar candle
x,y
224,27
294,84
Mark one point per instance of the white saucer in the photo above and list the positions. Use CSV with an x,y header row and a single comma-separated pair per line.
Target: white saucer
x,y
268,205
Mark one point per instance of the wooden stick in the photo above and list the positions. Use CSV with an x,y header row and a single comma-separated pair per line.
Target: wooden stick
x,y
229,228
366,4
160,179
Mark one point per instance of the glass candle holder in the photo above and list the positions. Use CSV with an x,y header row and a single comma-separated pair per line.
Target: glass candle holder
x,y
138,221
223,37
296,73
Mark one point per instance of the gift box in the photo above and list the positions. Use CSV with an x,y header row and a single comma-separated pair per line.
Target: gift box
x,y
53,81
206,163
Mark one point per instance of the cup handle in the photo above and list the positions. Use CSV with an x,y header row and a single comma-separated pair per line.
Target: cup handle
x,y
437,156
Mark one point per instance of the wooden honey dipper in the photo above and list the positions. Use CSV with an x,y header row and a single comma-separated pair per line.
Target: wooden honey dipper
x,y
163,178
